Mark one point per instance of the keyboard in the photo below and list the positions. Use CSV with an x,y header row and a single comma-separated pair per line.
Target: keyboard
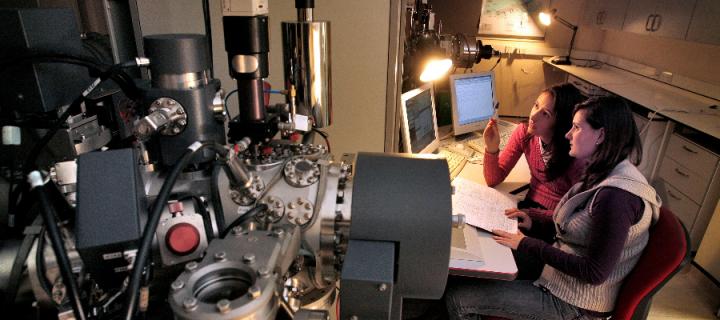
x,y
456,162
504,128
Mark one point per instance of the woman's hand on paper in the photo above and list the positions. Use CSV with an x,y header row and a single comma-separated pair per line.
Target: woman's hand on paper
x,y
511,240
522,217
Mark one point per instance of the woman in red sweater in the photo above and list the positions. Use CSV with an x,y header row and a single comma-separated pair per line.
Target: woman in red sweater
x,y
552,170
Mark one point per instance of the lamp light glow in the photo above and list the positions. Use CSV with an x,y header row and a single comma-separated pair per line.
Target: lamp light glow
x,y
435,69
545,18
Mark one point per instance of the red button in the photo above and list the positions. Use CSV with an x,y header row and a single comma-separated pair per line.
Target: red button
x,y
182,239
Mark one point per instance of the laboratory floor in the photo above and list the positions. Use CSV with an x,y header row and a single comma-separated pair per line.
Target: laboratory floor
x,y
688,295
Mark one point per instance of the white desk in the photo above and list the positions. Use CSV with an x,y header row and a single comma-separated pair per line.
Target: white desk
x,y
498,259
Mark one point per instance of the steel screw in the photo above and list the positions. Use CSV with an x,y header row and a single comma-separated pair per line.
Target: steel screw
x,y
220,255
249,258
190,303
223,305
264,272
382,287
177,285
237,230
254,292
191,266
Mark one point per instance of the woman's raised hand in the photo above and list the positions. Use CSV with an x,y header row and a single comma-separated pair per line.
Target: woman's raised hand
x,y
492,137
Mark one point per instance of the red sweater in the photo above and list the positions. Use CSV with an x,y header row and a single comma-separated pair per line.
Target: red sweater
x,y
546,193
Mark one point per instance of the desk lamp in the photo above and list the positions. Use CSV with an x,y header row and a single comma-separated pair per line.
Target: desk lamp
x,y
545,18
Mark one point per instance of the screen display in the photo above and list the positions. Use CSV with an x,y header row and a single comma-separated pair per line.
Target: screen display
x,y
474,96
420,121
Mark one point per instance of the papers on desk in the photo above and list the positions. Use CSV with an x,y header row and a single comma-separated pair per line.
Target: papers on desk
x,y
483,207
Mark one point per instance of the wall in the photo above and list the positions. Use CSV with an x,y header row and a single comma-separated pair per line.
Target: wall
x,y
359,40
521,74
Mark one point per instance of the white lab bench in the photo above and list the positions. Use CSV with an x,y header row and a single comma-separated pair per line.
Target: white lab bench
x,y
686,167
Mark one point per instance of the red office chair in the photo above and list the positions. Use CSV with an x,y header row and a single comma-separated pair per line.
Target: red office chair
x,y
666,253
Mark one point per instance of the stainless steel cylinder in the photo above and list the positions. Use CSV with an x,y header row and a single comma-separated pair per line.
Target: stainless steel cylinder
x,y
306,56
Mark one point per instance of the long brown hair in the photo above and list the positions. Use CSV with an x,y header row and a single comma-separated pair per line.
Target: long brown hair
x,y
621,141
565,96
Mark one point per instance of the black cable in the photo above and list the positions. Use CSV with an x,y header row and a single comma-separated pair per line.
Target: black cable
x,y
143,251
115,72
325,137
227,110
40,265
48,214
16,272
215,197
496,63
244,218
200,205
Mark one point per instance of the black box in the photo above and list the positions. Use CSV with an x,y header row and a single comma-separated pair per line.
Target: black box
x,y
111,212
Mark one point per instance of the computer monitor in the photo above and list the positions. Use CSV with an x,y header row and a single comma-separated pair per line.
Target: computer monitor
x,y
419,125
473,101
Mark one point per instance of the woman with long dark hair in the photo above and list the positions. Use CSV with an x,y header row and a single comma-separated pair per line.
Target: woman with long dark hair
x,y
593,239
552,170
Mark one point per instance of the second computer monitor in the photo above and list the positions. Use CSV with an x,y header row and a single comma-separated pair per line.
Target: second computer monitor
x,y
419,125
473,101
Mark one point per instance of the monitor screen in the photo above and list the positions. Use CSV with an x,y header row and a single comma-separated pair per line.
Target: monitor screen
x,y
473,101
420,133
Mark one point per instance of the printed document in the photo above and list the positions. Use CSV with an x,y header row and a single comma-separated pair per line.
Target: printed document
x,y
483,207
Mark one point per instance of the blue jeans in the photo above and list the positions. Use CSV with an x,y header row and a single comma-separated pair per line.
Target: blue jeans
x,y
468,298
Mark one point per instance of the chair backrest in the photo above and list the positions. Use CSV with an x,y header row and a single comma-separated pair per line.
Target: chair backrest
x,y
665,254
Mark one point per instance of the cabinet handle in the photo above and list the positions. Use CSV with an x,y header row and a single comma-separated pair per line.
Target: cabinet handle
x,y
673,195
647,22
689,150
658,18
682,173
600,19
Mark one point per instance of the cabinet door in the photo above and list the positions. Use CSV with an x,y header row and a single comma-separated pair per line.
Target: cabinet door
x,y
591,14
614,14
705,24
606,15
638,17
673,18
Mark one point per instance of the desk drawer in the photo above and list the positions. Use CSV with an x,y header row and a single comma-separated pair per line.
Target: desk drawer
x,y
691,184
696,158
685,209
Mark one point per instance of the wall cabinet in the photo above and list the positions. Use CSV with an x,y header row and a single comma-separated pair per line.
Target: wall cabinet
x,y
605,14
665,18
705,24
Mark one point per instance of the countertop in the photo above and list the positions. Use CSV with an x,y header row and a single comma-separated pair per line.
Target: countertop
x,y
687,108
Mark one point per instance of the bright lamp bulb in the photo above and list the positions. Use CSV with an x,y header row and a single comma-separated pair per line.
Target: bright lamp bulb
x,y
435,68
545,18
